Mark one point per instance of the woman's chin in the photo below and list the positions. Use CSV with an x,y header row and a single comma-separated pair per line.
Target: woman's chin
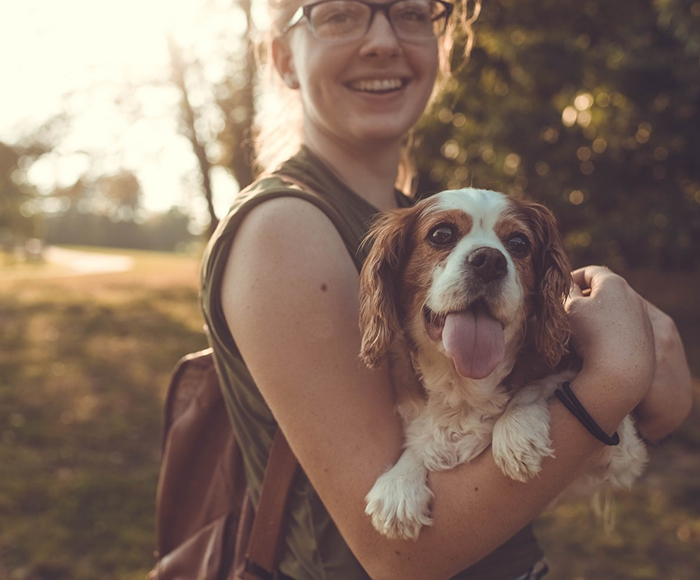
x,y
381,130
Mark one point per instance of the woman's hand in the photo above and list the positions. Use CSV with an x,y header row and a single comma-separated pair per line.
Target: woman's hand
x,y
669,399
612,332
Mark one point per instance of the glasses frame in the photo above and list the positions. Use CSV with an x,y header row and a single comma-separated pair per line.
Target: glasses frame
x,y
305,12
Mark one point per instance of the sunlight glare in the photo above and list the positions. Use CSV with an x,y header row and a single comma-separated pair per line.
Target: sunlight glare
x,y
71,44
107,66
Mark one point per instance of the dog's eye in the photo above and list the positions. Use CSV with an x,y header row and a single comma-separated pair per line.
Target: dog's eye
x,y
518,245
442,235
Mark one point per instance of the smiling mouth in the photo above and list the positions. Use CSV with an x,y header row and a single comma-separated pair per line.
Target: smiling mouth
x,y
377,86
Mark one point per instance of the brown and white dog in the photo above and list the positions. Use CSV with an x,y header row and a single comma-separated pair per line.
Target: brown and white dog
x,y
464,294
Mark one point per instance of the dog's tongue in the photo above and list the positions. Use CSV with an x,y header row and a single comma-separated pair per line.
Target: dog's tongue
x,y
474,340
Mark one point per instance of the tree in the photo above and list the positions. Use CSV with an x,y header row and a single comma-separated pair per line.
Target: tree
x,y
591,107
220,130
235,97
188,126
117,195
16,221
20,203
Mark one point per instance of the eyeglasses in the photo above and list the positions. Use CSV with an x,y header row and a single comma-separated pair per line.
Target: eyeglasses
x,y
348,20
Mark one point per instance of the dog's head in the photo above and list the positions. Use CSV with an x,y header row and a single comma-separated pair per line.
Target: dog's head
x,y
463,273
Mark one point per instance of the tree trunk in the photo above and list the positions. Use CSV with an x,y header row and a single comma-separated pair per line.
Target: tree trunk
x,y
241,163
188,128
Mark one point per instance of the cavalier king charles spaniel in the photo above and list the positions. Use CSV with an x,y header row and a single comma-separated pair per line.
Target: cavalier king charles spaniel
x,y
463,294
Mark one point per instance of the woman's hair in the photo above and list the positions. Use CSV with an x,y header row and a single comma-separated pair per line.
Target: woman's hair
x,y
278,120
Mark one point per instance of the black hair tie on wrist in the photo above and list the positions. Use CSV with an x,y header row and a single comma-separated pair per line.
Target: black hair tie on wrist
x,y
567,397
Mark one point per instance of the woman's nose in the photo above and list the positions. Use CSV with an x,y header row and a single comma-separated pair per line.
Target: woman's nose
x,y
380,39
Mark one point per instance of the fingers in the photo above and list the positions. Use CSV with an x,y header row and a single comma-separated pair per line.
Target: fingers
x,y
575,290
575,293
588,276
610,322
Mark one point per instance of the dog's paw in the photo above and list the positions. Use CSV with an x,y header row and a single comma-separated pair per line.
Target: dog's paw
x,y
520,442
626,460
399,507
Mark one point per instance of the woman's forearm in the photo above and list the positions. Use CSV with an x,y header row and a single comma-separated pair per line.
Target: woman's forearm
x,y
476,508
670,397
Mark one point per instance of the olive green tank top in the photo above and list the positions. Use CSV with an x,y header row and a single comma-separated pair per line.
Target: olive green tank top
x,y
314,549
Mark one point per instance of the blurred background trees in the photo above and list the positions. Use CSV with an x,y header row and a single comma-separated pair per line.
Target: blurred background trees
x,y
219,127
105,212
14,194
591,107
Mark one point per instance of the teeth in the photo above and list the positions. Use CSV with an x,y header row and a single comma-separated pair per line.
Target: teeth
x,y
433,317
376,85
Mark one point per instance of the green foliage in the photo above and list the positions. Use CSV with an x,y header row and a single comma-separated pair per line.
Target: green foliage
x,y
15,192
164,232
590,107
118,192
682,19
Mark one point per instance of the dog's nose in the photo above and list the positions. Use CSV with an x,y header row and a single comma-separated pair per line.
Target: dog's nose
x,y
488,263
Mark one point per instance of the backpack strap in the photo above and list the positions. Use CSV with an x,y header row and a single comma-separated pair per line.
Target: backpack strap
x,y
263,547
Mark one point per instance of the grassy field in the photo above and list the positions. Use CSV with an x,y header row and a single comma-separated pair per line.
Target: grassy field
x,y
84,361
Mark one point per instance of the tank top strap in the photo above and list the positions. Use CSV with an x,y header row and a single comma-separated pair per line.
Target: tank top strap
x,y
279,184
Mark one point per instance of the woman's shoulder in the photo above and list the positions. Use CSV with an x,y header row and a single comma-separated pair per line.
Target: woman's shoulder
x,y
273,197
267,188
290,231
277,206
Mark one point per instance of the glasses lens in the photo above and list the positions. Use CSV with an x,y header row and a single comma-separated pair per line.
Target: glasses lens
x,y
340,19
418,18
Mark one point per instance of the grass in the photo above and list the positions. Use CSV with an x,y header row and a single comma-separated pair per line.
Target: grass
x,y
84,362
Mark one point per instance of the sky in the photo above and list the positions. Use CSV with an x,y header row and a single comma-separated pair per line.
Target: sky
x,y
81,57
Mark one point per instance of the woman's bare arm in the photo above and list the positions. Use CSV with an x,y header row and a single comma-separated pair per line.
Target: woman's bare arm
x,y
670,398
290,298
668,401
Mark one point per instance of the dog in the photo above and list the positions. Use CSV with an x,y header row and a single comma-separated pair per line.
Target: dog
x,y
463,294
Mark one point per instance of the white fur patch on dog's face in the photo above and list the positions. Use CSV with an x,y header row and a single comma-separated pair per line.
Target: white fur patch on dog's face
x,y
450,290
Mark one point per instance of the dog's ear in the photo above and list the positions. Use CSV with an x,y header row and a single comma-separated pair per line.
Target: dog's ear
x,y
553,282
379,280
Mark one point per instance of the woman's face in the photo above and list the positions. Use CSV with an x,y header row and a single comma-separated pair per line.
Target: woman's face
x,y
368,91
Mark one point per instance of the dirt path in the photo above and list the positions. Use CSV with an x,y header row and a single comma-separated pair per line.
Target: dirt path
x,y
88,262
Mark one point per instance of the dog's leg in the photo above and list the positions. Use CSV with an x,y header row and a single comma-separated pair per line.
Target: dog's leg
x,y
399,502
449,448
521,435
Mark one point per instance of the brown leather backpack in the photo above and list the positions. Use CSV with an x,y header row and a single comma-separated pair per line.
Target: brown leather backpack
x,y
206,526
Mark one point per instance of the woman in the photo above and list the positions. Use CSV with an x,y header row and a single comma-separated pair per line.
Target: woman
x,y
280,287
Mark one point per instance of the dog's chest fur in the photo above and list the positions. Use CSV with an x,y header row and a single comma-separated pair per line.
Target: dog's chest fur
x,y
451,420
